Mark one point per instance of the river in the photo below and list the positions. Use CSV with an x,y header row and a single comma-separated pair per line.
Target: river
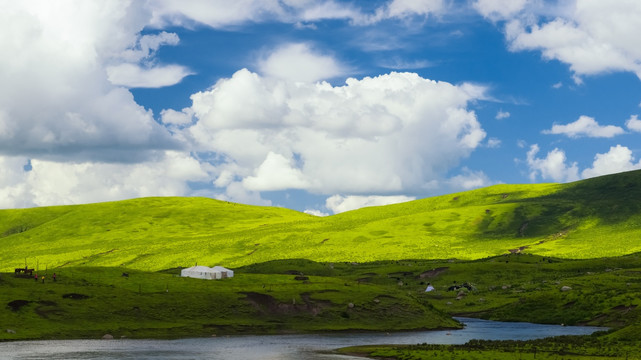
x,y
274,347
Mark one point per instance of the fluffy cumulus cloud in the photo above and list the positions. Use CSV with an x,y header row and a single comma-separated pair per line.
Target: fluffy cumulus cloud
x,y
592,36
57,103
585,126
617,159
32,182
299,62
384,134
633,123
556,167
338,204
69,133
553,166
469,180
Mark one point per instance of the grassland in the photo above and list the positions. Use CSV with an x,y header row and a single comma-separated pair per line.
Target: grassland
x,y
517,246
587,219
88,302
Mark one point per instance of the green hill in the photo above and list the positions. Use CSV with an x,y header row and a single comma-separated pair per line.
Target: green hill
x,y
591,218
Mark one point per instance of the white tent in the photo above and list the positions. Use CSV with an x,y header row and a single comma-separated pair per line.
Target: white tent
x,y
204,272
224,272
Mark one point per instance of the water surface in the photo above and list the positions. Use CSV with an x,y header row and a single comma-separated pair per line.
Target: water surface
x,y
274,347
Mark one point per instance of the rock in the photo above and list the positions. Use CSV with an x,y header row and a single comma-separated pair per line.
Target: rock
x,y
350,305
449,303
107,337
460,294
376,301
10,331
566,288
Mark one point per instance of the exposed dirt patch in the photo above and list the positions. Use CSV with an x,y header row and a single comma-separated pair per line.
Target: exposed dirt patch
x,y
16,305
624,308
432,273
75,296
268,305
518,250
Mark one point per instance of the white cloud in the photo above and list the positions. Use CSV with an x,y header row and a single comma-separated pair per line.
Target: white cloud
x,y
223,14
179,118
585,126
236,192
493,143
338,204
316,212
592,36
384,134
276,173
299,62
469,180
499,9
55,96
322,10
54,183
617,159
502,115
557,85
555,166
404,8
552,167
147,45
633,123
214,13
135,76
396,63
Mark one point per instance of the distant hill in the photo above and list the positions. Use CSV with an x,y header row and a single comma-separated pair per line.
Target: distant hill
x,y
590,218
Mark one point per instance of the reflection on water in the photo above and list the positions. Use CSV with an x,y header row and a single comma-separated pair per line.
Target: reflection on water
x,y
274,347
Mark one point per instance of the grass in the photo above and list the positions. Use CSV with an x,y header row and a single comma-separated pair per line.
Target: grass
x,y
592,218
87,302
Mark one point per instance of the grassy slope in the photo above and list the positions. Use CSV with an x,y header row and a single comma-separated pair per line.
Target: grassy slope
x,y
592,218
87,302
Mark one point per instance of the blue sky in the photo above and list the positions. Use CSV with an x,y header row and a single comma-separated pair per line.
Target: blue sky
x,y
319,106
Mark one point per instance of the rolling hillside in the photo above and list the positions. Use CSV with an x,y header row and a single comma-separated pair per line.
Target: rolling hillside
x,y
591,218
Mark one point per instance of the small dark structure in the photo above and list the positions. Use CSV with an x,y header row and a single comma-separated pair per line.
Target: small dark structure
x,y
24,272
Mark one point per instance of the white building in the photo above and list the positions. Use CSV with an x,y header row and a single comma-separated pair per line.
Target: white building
x,y
204,272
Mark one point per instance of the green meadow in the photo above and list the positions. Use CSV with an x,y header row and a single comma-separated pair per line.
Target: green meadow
x,y
545,253
592,218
